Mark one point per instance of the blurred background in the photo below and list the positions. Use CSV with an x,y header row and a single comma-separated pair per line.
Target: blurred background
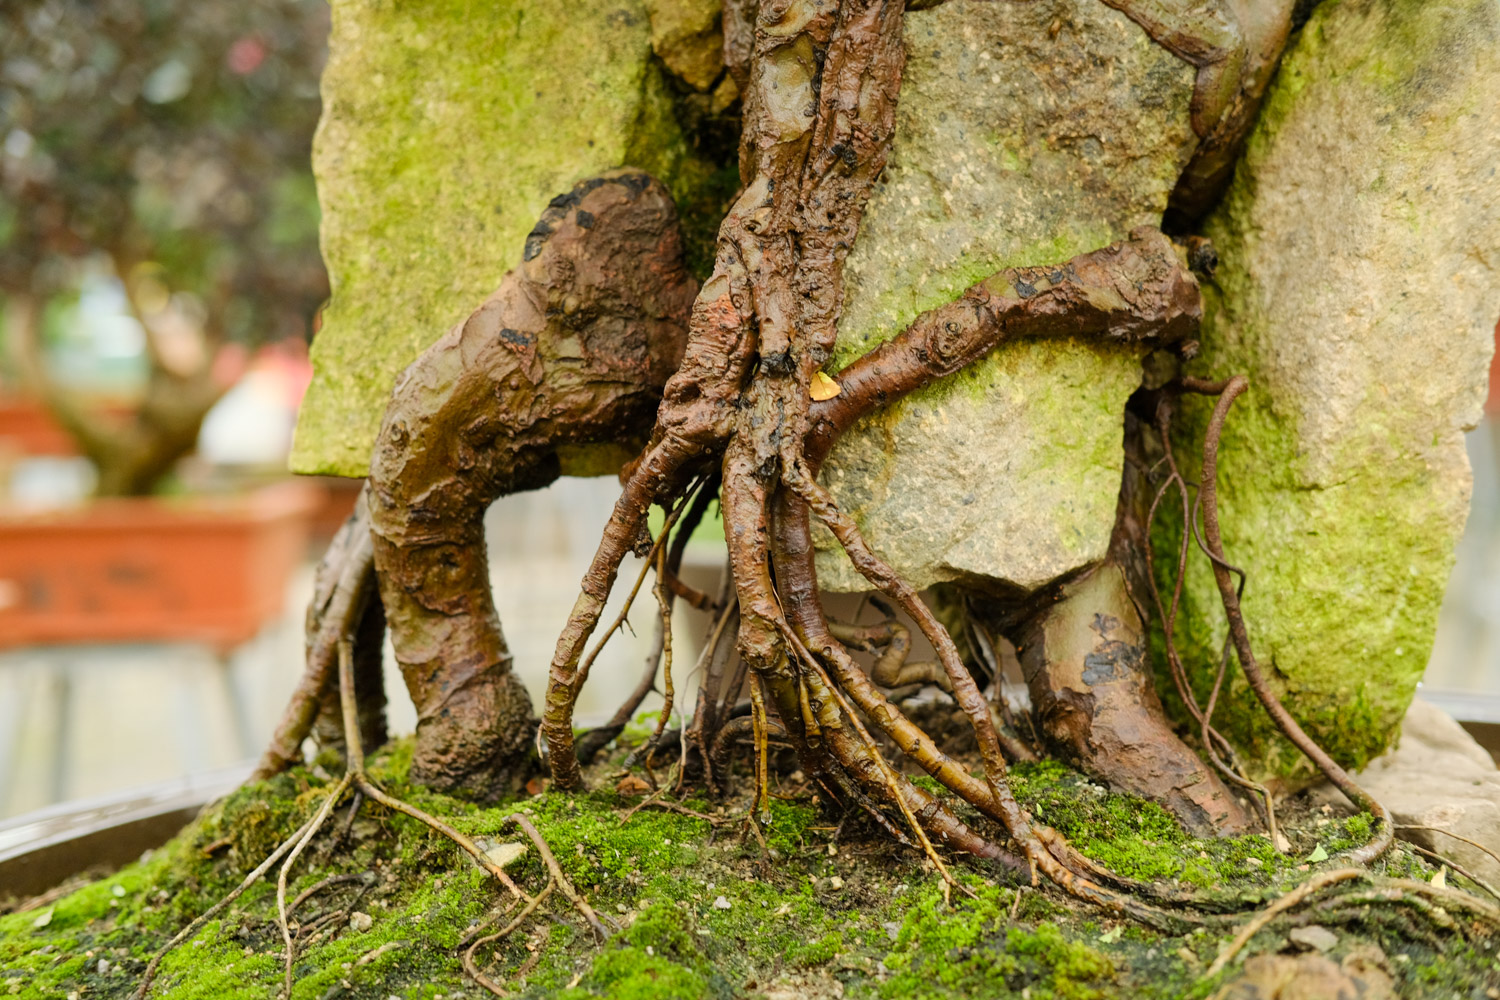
x,y
160,282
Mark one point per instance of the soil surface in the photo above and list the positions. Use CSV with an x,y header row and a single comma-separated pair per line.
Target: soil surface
x,y
828,907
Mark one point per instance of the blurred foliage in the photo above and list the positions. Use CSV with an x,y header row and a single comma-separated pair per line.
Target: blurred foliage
x,y
173,136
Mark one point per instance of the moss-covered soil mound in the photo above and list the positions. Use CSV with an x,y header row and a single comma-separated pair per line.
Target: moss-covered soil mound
x,y
828,908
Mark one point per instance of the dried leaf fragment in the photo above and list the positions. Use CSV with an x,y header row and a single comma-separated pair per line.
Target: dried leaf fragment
x,y
823,387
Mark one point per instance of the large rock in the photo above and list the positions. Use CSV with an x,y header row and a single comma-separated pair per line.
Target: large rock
x,y
1437,779
447,127
1026,134
1359,283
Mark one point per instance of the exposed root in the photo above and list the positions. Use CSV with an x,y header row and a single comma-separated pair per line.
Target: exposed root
x,y
820,83
319,818
1218,748
1459,837
1457,869
1291,899
201,921
558,877
1229,595
472,968
1384,891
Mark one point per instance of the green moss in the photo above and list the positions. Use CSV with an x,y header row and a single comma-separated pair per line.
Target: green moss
x,y
697,913
972,950
447,128
1341,470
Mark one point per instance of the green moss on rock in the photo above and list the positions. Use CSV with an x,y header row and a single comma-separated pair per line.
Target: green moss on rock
x,y
447,127
1015,145
1357,290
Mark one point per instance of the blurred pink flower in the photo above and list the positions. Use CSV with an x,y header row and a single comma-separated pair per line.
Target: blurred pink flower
x,y
245,55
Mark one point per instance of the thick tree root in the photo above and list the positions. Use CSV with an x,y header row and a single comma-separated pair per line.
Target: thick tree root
x,y
571,351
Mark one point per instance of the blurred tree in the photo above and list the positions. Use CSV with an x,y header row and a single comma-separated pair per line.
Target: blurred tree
x,y
171,139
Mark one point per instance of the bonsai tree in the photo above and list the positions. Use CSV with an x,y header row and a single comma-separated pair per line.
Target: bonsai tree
x,y
167,143
1130,344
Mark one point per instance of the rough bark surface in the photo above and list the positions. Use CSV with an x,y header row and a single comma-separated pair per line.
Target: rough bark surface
x,y
572,349
1085,662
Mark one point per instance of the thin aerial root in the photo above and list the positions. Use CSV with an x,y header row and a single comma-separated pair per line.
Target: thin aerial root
x,y
1220,752
558,877
472,968
312,828
886,774
1229,595
353,586
1253,926
192,929
657,550
669,693
762,780
1449,833
356,772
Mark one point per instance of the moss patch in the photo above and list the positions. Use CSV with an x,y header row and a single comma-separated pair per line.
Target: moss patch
x,y
700,912
447,127
1344,483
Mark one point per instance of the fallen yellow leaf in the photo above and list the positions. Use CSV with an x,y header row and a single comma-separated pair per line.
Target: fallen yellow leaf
x,y
823,387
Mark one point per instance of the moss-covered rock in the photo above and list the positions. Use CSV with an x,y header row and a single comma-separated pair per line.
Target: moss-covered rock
x,y
1357,289
1026,134
447,127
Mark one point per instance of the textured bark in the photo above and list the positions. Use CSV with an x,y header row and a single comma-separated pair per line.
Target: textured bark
x,y
570,351
1235,45
1085,662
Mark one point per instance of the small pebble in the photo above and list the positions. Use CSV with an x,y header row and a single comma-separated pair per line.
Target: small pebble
x,y
621,907
119,891
1313,937
360,922
721,903
1254,862
103,966
835,882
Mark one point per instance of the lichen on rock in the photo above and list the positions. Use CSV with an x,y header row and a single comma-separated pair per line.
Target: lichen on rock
x,y
1357,289
1016,144
447,127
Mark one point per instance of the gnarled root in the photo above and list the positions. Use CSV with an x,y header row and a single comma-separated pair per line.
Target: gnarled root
x,y
1085,662
569,354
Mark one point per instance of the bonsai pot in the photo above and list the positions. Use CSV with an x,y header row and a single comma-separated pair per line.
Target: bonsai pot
x,y
204,569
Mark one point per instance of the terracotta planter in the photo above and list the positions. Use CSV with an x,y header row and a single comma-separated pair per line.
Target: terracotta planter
x,y
27,427
203,569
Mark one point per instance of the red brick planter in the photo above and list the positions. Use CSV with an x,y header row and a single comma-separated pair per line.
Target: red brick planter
x,y
207,569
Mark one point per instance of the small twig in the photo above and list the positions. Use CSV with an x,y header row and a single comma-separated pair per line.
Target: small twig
x,y
672,807
557,873
1457,868
469,964
1449,833
384,949
1253,926
317,887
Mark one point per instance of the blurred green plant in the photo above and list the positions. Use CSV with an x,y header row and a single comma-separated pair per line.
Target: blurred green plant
x,y
170,141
